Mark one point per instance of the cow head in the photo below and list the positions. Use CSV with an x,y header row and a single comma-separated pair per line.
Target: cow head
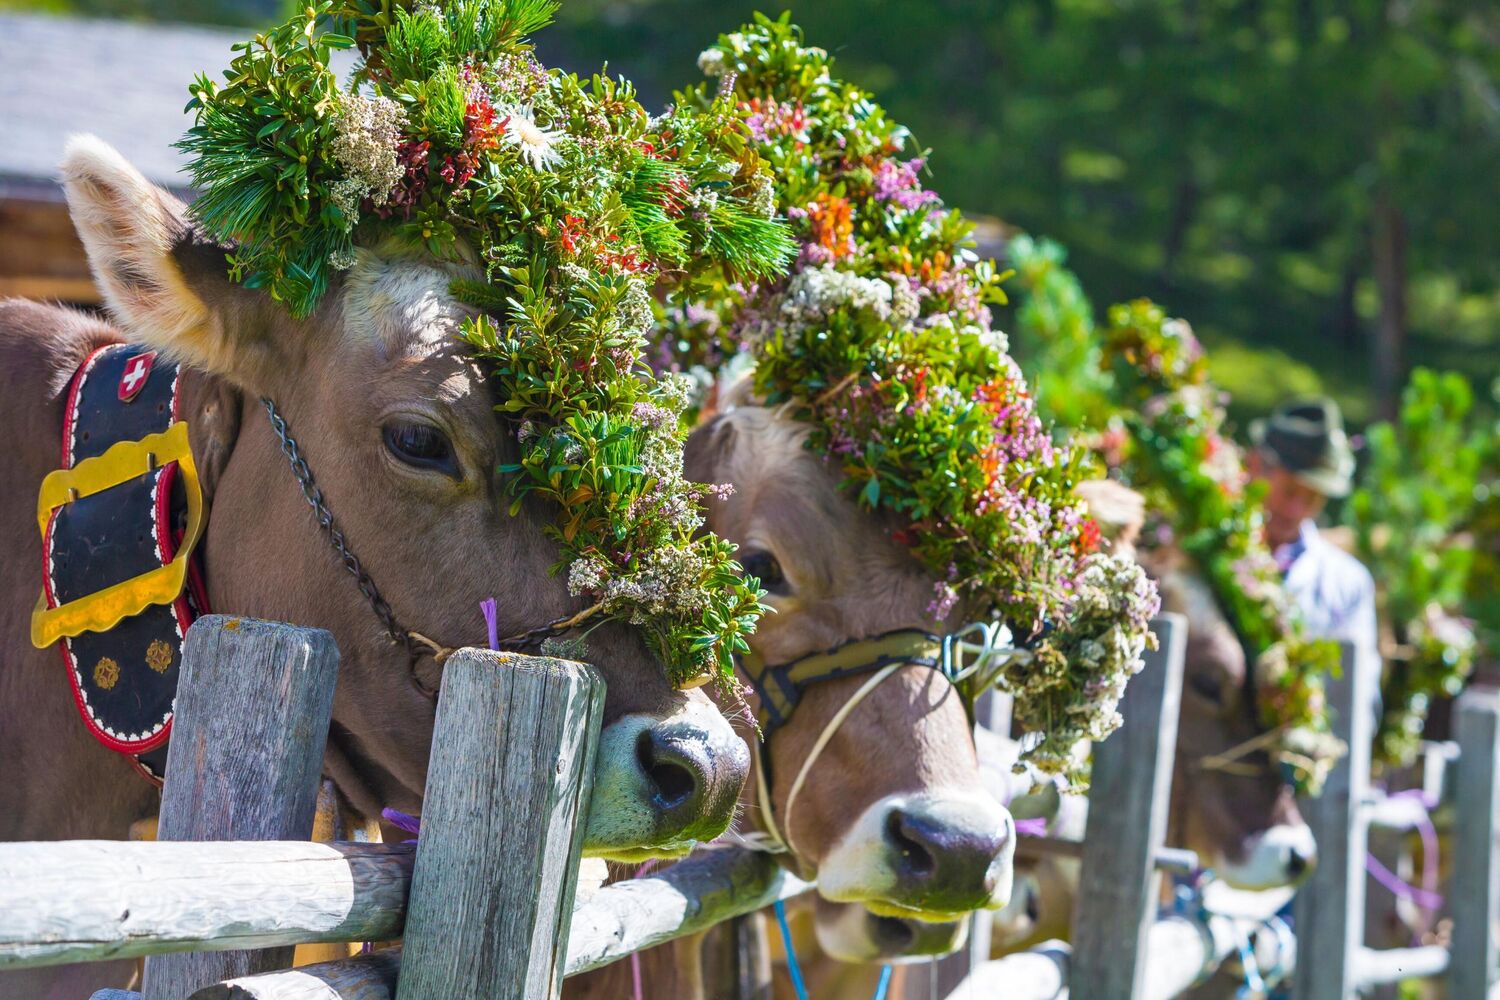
x,y
892,813
397,424
1241,819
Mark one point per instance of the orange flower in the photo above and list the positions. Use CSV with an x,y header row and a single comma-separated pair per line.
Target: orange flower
x,y
832,223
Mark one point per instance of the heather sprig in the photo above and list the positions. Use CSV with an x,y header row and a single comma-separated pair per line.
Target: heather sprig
x,y
572,202
881,340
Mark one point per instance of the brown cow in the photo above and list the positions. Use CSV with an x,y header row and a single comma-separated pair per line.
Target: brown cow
x,y
379,356
894,813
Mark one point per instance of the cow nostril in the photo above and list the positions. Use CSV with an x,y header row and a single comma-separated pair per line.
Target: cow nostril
x,y
673,781
907,839
1296,863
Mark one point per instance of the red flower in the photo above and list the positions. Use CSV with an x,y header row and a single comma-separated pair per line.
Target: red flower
x,y
571,233
1088,537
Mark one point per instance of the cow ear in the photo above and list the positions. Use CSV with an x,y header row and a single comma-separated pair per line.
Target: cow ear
x,y
166,285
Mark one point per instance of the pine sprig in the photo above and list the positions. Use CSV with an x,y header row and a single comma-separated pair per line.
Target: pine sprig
x,y
574,201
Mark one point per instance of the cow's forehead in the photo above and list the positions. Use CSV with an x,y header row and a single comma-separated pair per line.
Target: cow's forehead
x,y
403,305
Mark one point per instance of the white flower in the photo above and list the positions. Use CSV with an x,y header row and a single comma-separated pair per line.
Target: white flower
x,y
537,145
711,62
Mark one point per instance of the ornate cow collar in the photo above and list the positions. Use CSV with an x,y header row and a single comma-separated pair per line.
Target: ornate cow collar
x,y
119,522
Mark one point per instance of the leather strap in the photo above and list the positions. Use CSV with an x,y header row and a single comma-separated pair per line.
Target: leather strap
x,y
124,678
780,687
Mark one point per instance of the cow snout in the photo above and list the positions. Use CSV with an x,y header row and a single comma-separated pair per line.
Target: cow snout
x,y
694,777
1280,856
926,856
944,861
663,783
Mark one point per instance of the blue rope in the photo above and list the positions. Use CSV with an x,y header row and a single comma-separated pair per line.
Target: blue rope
x,y
884,984
791,953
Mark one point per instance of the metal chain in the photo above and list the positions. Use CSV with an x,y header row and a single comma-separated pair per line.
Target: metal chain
x,y
314,497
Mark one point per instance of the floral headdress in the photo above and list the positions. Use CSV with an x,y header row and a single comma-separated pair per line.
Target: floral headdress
x,y
571,200
1189,469
881,340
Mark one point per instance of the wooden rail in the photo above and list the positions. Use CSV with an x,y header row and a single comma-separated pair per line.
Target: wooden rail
x,y
1130,789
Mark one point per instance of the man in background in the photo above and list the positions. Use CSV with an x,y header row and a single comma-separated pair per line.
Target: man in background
x,y
1303,455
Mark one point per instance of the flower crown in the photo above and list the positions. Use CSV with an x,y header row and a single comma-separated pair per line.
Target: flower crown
x,y
571,201
1194,473
881,340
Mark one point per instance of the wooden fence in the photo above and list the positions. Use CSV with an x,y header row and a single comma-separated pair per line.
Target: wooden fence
x,y
1123,854
484,902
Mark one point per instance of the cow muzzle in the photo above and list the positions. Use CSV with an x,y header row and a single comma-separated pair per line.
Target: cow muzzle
x,y
662,784
932,857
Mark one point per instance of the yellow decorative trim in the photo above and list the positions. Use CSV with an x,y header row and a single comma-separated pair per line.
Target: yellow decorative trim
x,y
102,610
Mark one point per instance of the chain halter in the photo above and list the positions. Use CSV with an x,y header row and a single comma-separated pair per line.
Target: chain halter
x,y
415,643
971,658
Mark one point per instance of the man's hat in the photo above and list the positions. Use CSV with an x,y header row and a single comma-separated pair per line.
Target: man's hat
x,y
1307,438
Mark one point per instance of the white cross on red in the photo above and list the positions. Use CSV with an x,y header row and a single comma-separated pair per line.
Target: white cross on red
x,y
134,376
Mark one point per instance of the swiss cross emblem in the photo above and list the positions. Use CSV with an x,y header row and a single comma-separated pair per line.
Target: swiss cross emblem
x,y
133,379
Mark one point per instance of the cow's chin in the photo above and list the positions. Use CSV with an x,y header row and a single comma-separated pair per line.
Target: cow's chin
x,y
850,933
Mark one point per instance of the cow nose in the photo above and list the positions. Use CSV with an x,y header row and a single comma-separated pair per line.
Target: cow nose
x,y
1298,863
943,865
693,776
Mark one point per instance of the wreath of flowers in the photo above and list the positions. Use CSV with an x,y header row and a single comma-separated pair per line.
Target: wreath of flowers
x,y
1191,471
454,141
881,340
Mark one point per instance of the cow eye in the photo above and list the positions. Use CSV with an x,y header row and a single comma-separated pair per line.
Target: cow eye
x,y
764,567
1206,686
421,446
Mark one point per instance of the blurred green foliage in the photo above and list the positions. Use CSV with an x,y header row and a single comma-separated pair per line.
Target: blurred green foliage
x,y
1421,486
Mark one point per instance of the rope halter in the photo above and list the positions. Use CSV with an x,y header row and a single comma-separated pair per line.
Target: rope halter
x,y
970,658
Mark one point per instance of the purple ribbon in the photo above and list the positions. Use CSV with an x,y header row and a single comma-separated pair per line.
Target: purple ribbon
x,y
1426,895
403,821
1032,827
487,607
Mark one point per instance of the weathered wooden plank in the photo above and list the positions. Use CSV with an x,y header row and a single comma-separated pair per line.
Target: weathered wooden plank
x,y
1385,966
92,900
710,886
1330,906
1475,899
737,960
1038,974
366,977
502,826
1128,799
252,717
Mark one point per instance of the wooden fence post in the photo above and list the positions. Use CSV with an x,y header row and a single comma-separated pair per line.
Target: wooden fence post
x,y
1476,875
251,721
503,817
1330,906
1128,798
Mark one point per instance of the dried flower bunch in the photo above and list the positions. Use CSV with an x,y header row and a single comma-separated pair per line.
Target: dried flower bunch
x,y
571,202
1193,473
881,340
